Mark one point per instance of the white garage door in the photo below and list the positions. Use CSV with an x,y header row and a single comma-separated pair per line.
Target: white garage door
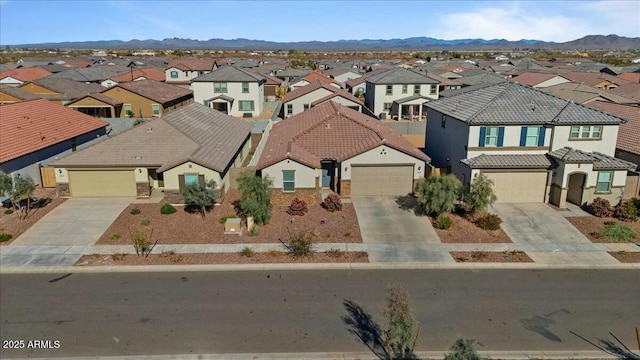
x,y
102,183
381,180
516,187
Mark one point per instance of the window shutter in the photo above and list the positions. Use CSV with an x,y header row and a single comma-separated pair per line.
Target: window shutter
x,y
523,136
483,133
500,135
180,182
201,179
541,134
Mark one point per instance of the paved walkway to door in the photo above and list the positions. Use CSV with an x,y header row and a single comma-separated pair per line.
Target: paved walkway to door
x,y
395,230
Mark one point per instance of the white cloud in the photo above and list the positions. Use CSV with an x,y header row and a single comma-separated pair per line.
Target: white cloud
x,y
548,21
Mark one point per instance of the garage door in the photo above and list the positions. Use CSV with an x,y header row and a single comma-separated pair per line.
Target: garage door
x,y
102,183
519,186
381,180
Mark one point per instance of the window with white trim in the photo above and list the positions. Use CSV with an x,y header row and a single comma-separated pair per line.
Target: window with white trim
x,y
155,109
245,87
533,133
586,132
433,89
416,89
491,136
605,178
305,107
219,87
387,106
288,180
174,74
246,105
405,88
389,90
289,109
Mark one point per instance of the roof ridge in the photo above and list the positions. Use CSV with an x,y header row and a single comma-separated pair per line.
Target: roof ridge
x,y
493,99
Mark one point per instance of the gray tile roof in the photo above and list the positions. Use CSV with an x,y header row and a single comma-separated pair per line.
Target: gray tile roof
x,y
92,74
220,136
600,161
512,103
230,74
191,133
510,161
410,98
401,76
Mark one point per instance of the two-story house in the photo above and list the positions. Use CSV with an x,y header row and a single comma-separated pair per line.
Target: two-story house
x,y
181,71
534,146
302,99
230,90
399,93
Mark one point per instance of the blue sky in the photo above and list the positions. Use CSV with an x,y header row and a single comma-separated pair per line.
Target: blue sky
x,y
37,21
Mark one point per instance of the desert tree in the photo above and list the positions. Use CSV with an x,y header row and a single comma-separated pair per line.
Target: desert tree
x,y
438,193
480,194
255,196
202,195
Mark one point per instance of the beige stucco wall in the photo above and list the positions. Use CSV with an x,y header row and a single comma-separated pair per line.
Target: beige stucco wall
x,y
381,96
305,176
171,175
510,141
204,91
346,102
298,103
606,145
383,155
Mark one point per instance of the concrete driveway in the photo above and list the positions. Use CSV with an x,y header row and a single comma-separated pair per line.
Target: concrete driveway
x,y
546,230
396,231
60,236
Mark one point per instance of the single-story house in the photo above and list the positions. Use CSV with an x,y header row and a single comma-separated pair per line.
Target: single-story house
x,y
193,143
336,148
36,132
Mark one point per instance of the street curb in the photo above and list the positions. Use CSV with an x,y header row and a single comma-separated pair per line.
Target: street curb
x,y
314,266
428,355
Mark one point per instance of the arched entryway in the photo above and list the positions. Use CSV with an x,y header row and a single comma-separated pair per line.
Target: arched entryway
x,y
575,188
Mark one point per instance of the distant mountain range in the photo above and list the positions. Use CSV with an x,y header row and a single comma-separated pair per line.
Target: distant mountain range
x,y
590,42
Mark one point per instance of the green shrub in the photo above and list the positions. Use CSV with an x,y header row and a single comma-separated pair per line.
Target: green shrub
x,y
300,243
600,207
145,222
224,218
437,194
332,203
248,252
167,209
255,231
627,211
489,222
8,212
463,349
297,207
443,222
134,211
618,232
5,237
114,237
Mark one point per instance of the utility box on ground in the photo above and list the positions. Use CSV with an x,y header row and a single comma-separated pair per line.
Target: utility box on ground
x,y
232,226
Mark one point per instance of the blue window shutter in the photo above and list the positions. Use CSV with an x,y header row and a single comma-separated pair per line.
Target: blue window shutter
x,y
483,133
541,134
523,136
500,135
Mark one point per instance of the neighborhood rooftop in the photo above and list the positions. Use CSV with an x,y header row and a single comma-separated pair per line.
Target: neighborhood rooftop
x,y
400,76
511,103
154,90
230,74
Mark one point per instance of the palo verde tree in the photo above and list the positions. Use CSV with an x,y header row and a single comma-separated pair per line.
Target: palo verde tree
x,y
201,195
401,331
18,189
6,184
463,349
480,194
438,193
255,197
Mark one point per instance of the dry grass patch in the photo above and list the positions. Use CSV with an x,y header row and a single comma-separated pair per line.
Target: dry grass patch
x,y
491,257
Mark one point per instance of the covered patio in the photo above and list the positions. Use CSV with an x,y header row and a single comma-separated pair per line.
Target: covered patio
x,y
409,108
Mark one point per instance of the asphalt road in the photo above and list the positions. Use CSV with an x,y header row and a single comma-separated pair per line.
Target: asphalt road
x,y
93,314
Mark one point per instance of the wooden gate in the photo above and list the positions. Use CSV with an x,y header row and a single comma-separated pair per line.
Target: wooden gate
x,y
48,176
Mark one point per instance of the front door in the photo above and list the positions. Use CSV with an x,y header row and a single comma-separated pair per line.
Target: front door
x,y
327,175
222,107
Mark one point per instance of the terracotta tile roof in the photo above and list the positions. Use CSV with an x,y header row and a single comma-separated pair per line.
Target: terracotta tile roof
x,y
593,78
25,74
192,64
581,93
628,90
270,80
532,78
633,77
629,132
304,90
149,74
330,131
342,93
314,76
29,126
155,90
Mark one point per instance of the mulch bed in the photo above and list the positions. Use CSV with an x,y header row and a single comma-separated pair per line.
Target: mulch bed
x,y
185,227
626,257
171,258
43,201
592,224
464,231
491,257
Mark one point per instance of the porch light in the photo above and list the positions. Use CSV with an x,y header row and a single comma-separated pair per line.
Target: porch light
x,y
140,171
60,171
